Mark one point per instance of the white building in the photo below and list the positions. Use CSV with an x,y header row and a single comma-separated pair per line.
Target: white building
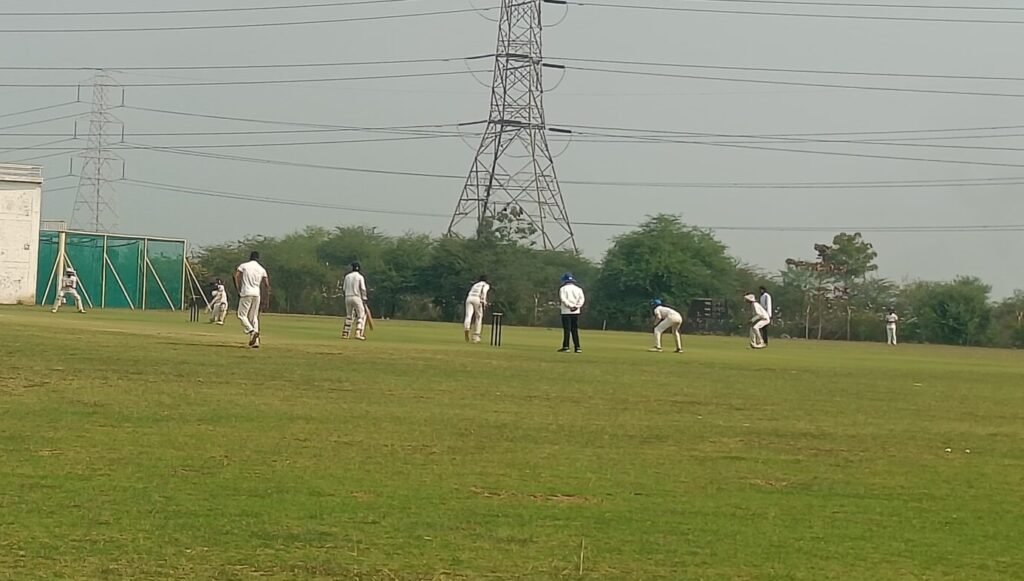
x,y
21,197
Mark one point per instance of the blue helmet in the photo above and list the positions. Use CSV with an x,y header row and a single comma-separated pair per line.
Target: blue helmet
x,y
568,277
656,302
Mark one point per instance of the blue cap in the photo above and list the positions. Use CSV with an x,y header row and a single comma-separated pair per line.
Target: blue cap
x,y
656,302
567,277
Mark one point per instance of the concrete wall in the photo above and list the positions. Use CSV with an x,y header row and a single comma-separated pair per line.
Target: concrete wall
x,y
20,204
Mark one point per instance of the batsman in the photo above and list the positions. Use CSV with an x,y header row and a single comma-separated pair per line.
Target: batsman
x,y
354,286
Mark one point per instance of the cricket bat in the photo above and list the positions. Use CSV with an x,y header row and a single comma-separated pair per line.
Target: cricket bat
x,y
369,318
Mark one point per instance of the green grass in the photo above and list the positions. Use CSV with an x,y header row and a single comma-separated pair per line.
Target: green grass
x,y
143,447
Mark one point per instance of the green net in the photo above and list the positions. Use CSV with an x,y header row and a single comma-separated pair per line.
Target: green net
x,y
124,273
164,276
48,246
115,271
85,255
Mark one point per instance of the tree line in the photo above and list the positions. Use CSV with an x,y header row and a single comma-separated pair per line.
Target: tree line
x,y
834,294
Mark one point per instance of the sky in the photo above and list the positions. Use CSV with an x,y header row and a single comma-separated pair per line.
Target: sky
x,y
914,41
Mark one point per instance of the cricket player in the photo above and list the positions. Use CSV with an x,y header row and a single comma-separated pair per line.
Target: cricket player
x,y
253,285
68,286
666,318
572,299
476,304
766,301
890,326
354,286
219,303
759,321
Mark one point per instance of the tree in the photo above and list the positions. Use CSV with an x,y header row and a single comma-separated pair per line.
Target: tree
x,y
1008,321
662,258
955,313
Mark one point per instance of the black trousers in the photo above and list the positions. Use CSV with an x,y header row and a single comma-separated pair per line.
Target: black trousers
x,y
764,333
571,328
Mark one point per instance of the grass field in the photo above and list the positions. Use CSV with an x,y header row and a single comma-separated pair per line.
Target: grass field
x,y
145,447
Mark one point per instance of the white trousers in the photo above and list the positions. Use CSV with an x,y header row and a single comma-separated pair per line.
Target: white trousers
x,y
249,314
756,340
890,334
65,292
356,312
218,312
665,325
474,316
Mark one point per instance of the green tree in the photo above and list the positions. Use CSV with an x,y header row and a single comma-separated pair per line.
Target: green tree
x,y
955,313
1008,321
662,258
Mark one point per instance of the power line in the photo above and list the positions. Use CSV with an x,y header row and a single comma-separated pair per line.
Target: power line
x,y
819,152
326,126
869,5
239,67
793,14
311,204
797,83
205,10
244,25
789,70
42,121
981,182
38,109
259,81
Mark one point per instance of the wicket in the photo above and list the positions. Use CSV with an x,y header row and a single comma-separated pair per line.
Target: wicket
x,y
496,319
193,310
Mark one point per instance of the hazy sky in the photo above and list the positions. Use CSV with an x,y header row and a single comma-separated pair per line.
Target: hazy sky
x,y
582,98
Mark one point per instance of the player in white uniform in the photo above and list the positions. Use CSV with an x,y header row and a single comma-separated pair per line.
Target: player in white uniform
x,y
666,318
476,303
890,326
354,286
760,319
253,285
219,303
766,301
68,286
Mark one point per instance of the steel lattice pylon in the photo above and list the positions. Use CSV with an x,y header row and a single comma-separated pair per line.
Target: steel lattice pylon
x,y
95,207
512,184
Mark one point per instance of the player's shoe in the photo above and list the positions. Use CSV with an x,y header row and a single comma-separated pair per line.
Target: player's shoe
x,y
655,349
254,338
563,350
679,350
53,310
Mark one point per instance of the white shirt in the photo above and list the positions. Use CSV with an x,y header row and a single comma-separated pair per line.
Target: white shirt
x,y
662,312
354,285
891,319
766,302
479,291
759,313
252,277
69,282
220,295
572,299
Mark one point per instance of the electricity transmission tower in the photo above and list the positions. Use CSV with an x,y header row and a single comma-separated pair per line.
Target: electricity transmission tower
x,y
95,207
512,188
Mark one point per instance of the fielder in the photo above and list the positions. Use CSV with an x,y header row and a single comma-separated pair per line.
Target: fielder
x,y
890,326
253,285
760,320
476,303
68,286
666,318
354,286
218,303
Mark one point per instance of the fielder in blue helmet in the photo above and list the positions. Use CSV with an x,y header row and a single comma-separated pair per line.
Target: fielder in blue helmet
x,y
656,302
